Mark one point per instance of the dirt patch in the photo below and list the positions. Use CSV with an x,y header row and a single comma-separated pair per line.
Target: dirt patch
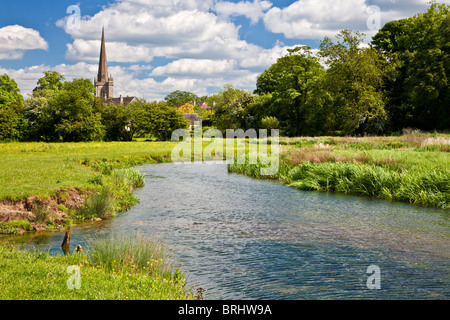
x,y
38,210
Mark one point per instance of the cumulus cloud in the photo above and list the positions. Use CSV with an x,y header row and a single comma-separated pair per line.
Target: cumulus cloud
x,y
198,67
315,19
252,10
127,80
15,40
203,44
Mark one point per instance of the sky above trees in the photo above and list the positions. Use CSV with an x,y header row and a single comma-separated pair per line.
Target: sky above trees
x,y
155,47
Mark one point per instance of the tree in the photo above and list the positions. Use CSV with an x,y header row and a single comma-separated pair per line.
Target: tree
x,y
292,82
36,107
9,92
419,47
165,120
231,108
180,97
116,120
354,81
12,122
270,123
155,118
52,81
68,114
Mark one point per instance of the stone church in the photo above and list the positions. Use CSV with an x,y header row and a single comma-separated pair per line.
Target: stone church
x,y
104,84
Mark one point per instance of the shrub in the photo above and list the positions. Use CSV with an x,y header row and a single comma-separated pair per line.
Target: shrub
x,y
40,211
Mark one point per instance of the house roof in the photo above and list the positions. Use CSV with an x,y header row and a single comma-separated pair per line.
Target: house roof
x,y
124,100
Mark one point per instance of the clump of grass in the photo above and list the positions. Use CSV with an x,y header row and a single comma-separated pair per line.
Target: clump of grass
x,y
107,167
131,254
320,155
100,204
41,212
15,226
128,177
49,278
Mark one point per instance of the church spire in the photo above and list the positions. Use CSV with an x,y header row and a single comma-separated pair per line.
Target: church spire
x,y
103,66
104,86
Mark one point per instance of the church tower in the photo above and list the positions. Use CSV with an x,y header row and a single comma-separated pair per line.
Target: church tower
x,y
104,86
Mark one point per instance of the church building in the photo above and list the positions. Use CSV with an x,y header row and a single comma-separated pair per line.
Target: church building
x,y
104,84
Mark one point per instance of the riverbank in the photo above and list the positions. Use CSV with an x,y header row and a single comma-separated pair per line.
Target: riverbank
x,y
47,186
413,168
95,275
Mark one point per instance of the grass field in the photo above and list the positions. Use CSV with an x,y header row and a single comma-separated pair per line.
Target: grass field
x,y
41,168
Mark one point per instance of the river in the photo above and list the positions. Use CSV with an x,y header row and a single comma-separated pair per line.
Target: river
x,y
242,238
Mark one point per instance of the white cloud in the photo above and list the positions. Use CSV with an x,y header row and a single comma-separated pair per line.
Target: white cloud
x,y
89,50
127,82
315,19
197,67
15,40
205,47
252,10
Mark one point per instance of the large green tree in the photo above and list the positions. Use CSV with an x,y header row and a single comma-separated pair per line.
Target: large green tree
x,y
66,113
179,97
354,83
293,83
155,118
52,80
231,105
12,122
419,49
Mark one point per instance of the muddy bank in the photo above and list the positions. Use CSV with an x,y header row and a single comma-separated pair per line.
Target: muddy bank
x,y
42,212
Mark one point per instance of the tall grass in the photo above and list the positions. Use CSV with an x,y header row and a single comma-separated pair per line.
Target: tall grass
x,y
133,253
128,177
413,168
100,204
423,188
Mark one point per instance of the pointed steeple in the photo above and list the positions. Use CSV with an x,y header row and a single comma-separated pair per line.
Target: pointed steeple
x,y
103,66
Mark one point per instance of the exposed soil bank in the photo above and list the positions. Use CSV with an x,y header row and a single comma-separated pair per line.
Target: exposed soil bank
x,y
42,212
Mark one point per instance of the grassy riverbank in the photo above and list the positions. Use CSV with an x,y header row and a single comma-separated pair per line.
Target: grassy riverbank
x,y
413,168
128,268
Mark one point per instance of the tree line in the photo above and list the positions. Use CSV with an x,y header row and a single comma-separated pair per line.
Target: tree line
x,y
399,80
59,110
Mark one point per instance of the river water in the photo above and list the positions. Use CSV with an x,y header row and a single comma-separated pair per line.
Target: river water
x,y
242,238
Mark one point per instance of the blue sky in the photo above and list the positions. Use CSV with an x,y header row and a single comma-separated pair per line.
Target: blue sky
x,y
157,46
